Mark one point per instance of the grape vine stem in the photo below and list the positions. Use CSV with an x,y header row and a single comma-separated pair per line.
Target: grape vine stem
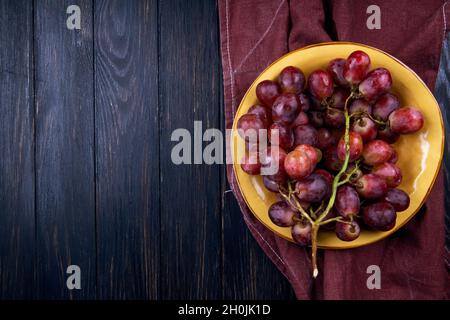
x,y
296,204
320,214
365,114
336,183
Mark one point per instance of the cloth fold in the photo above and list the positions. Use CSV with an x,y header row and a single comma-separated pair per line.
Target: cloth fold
x,y
255,33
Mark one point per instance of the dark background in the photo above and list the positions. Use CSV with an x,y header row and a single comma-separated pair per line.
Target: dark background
x,y
85,171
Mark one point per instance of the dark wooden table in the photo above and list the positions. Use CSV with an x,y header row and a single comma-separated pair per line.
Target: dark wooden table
x,y
86,176
85,171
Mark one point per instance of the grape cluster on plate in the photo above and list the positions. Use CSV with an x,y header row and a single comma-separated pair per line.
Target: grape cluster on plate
x,y
333,148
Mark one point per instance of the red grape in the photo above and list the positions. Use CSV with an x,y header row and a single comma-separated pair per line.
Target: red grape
x,y
366,128
292,80
316,104
385,133
356,67
249,125
371,186
272,163
334,118
337,133
406,120
390,173
376,152
360,106
380,216
298,165
316,118
324,173
270,184
339,97
385,105
347,231
313,188
331,160
301,233
282,135
301,120
324,138
306,134
355,144
285,108
313,153
347,202
282,214
355,173
394,157
320,84
399,199
305,103
377,82
267,91
263,112
336,69
250,163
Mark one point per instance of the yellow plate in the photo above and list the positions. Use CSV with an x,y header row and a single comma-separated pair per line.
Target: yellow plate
x,y
420,154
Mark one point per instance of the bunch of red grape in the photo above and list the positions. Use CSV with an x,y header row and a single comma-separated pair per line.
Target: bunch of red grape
x,y
334,154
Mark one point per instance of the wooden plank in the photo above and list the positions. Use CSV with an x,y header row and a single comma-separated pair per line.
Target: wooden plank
x,y
17,210
190,198
127,133
248,272
64,150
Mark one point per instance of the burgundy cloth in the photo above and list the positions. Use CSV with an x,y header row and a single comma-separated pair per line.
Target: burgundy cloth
x,y
255,33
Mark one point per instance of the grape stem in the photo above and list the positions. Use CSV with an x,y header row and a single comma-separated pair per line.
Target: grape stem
x,y
336,219
335,109
314,232
320,208
312,213
296,205
336,183
320,214
349,176
365,114
344,165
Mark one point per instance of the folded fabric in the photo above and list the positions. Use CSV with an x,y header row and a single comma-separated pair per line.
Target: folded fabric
x,y
255,33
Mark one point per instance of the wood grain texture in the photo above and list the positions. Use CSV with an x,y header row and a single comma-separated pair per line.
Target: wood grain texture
x,y
189,73
17,219
247,272
96,117
127,137
64,150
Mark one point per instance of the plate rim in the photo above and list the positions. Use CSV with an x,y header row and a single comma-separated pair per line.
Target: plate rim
x,y
430,187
